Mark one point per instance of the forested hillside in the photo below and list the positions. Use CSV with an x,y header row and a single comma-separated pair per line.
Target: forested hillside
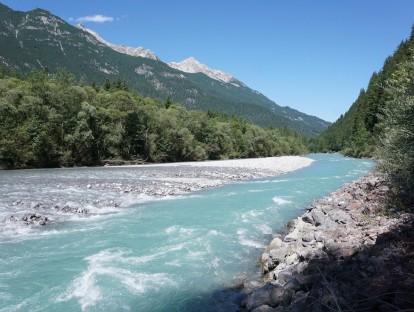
x,y
380,124
357,133
53,120
38,39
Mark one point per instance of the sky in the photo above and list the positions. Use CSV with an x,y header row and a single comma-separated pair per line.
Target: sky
x,y
312,55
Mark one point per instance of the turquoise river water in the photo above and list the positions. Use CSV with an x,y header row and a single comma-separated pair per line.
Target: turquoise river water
x,y
162,255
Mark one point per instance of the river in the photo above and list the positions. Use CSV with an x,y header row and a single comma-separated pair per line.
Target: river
x,y
174,254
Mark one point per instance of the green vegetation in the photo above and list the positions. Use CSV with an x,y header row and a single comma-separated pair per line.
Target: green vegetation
x,y
380,123
358,132
396,146
39,40
53,120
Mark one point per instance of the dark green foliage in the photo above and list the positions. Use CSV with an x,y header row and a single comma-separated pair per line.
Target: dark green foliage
x,y
357,132
396,148
381,124
53,120
39,40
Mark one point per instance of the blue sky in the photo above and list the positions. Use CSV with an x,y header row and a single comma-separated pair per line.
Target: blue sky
x,y
313,56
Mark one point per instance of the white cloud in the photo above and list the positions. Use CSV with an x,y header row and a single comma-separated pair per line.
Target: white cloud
x,y
98,18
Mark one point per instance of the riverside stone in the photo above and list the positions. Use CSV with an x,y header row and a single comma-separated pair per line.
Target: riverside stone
x,y
261,297
278,255
339,216
275,243
318,216
326,240
265,308
356,205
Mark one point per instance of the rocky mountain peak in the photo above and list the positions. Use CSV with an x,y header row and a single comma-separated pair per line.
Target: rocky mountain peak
x,y
191,65
139,51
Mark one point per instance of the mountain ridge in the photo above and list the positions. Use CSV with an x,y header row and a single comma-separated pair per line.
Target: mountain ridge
x,y
38,39
138,51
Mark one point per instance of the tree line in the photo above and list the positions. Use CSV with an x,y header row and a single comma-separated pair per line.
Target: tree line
x,y
380,123
52,120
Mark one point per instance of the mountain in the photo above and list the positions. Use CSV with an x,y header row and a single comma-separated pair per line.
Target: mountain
x,y
191,65
139,51
38,39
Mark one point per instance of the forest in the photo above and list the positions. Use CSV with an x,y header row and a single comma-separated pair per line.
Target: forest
x,y
358,132
53,120
380,124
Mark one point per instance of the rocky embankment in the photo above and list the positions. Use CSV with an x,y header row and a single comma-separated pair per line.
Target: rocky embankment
x,y
345,253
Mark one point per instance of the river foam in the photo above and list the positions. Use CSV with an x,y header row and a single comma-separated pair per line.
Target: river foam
x,y
117,266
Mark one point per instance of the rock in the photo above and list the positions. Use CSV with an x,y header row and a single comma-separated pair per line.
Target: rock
x,y
264,257
293,236
292,259
372,182
318,216
308,219
338,251
312,253
293,284
35,205
340,216
264,308
278,255
342,203
292,224
318,236
275,243
336,238
356,205
307,238
284,276
271,295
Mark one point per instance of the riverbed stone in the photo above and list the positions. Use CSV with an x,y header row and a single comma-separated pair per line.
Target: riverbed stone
x,y
278,255
318,216
353,206
293,284
338,251
260,297
292,259
340,216
308,237
275,243
265,308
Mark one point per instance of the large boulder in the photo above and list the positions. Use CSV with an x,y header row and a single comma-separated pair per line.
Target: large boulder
x,y
318,216
339,216
270,295
338,251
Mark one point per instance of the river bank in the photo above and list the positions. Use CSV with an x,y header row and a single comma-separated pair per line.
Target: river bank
x,y
149,253
50,197
347,252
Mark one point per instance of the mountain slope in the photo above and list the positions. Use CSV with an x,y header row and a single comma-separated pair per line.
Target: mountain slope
x,y
356,132
191,65
139,51
38,39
